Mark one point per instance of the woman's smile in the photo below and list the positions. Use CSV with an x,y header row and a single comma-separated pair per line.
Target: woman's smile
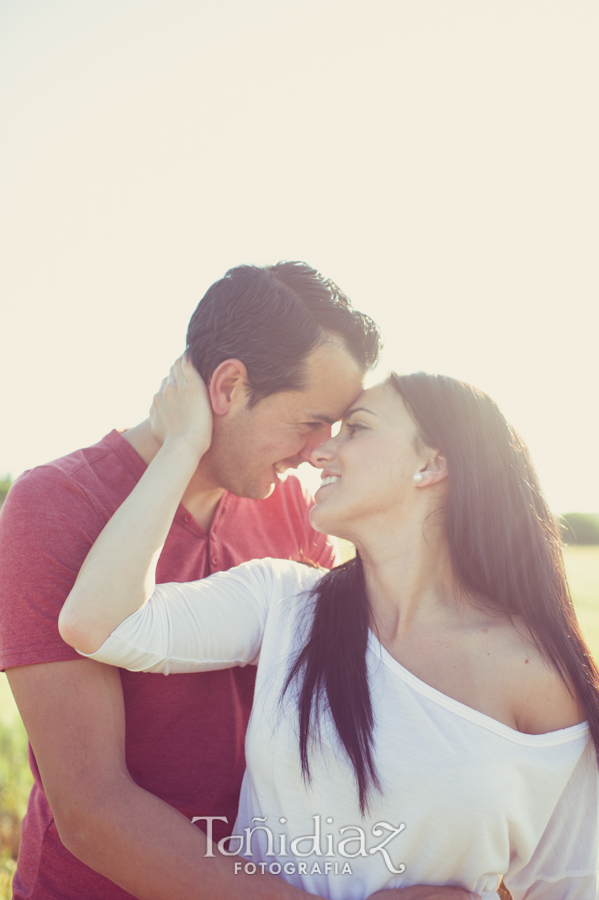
x,y
329,479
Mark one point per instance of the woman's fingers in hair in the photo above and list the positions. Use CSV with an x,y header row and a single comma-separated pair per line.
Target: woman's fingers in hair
x,y
181,408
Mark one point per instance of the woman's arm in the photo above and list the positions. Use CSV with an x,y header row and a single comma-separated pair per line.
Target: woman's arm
x,y
565,863
199,626
118,575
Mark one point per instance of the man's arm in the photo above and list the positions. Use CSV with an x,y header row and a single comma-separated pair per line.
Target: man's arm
x,y
74,715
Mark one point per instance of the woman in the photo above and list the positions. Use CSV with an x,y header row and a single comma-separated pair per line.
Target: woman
x,y
419,714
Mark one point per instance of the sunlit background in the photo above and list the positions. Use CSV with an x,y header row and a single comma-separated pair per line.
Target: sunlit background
x,y
437,158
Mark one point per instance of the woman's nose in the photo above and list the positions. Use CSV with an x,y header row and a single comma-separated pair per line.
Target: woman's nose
x,y
323,454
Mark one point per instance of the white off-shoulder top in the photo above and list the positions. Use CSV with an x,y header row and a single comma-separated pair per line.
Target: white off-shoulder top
x,y
465,799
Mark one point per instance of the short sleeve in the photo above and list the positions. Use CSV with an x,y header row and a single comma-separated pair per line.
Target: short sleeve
x,y
47,526
565,863
215,623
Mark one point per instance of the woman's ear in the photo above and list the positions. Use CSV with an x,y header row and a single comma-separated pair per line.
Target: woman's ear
x,y
228,386
433,471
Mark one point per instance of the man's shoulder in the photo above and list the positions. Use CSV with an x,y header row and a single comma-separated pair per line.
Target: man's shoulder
x,y
105,471
112,446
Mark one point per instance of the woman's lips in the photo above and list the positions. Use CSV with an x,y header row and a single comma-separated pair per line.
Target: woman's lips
x,y
329,479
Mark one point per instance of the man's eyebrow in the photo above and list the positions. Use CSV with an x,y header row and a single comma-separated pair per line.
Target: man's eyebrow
x,y
354,409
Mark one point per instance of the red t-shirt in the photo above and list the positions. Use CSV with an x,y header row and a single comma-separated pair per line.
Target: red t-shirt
x,y
185,734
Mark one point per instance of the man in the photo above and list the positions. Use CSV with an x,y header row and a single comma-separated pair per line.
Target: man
x,y
123,761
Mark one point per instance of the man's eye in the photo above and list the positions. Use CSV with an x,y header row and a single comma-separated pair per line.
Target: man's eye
x,y
309,427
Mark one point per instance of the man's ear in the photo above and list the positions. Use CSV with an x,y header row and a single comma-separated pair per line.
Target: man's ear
x,y
435,470
228,386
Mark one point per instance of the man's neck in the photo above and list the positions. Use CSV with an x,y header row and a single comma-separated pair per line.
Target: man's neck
x,y
201,496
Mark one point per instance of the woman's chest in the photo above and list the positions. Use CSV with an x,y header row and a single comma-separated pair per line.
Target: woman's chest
x,y
440,775
484,668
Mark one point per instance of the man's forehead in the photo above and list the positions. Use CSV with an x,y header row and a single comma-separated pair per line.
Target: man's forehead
x,y
333,381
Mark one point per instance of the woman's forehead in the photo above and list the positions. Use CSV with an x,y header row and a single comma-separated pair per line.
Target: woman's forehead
x,y
378,397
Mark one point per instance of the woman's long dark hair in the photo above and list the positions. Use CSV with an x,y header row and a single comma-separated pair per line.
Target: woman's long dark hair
x,y
504,546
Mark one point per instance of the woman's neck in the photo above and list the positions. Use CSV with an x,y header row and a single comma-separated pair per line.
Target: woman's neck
x,y
409,577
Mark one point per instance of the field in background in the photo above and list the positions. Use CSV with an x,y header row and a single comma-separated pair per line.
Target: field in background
x,y
582,564
15,784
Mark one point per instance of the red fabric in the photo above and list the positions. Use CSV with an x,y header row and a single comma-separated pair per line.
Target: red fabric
x,y
185,733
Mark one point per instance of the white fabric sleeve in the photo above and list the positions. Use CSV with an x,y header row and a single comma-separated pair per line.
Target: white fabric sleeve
x,y
215,623
564,865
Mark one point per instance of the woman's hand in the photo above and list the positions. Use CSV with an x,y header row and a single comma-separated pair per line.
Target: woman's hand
x,y
181,409
425,892
118,575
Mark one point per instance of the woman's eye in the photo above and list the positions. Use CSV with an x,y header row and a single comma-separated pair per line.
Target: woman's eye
x,y
353,427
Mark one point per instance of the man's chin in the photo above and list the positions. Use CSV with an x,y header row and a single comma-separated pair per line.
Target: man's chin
x,y
279,478
258,489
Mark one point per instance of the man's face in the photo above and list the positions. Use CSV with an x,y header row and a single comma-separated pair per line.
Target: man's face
x,y
252,448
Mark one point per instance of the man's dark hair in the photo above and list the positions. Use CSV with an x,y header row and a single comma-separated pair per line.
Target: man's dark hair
x,y
271,318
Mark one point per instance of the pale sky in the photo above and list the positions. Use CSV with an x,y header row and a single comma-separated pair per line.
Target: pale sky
x,y
437,158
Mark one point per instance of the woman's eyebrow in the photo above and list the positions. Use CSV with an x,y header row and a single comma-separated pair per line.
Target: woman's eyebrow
x,y
355,409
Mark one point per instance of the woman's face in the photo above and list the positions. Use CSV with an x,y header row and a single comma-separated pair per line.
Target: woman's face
x,y
368,467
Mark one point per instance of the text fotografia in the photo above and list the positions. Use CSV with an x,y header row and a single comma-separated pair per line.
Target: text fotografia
x,y
290,868
351,842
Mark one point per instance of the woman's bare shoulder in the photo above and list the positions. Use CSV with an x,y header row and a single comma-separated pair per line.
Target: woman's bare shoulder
x,y
540,699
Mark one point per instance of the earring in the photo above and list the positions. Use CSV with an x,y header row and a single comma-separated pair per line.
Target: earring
x,y
417,477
